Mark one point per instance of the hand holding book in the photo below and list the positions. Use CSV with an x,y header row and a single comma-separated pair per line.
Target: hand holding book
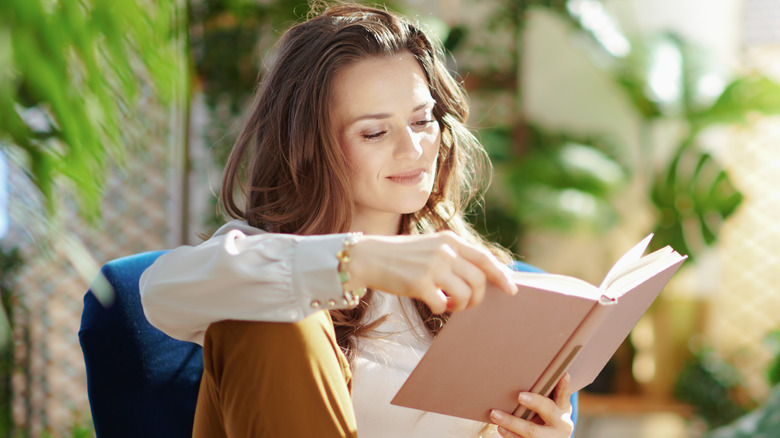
x,y
553,325
554,419
422,266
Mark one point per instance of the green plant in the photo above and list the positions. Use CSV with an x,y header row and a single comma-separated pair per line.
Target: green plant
x,y
559,182
688,188
708,383
71,74
764,421
772,342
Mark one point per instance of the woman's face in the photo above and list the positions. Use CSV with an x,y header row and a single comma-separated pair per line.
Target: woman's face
x,y
383,118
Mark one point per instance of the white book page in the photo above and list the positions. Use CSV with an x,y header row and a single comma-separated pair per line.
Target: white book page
x,y
624,265
630,270
562,284
645,268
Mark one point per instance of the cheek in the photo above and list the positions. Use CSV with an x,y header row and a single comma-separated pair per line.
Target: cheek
x,y
352,157
435,137
364,164
433,144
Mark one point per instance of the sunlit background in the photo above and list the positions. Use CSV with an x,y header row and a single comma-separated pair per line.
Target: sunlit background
x,y
605,120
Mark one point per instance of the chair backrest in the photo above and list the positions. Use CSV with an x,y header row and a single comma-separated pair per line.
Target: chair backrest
x,y
141,382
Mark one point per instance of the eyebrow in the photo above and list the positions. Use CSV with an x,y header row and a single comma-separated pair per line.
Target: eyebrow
x,y
379,116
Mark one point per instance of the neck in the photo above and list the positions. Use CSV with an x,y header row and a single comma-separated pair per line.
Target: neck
x,y
383,224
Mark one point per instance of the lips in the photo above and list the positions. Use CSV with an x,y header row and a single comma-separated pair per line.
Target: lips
x,y
408,177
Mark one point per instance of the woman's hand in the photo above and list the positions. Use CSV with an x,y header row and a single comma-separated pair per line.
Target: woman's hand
x,y
441,269
553,419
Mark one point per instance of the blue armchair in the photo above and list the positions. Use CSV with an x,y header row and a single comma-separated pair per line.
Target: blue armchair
x,y
141,382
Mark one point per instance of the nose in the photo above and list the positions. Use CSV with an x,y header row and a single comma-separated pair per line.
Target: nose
x,y
408,146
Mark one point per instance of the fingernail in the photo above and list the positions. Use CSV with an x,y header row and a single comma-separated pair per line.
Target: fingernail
x,y
523,397
501,430
509,284
497,415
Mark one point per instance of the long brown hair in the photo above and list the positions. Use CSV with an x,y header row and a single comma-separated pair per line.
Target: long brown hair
x,y
287,166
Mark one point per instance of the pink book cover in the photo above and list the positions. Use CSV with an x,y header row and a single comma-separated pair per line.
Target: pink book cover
x,y
486,355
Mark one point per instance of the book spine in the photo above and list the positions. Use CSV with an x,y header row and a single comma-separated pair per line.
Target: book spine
x,y
566,355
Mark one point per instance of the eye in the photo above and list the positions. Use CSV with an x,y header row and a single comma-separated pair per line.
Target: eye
x,y
423,123
374,136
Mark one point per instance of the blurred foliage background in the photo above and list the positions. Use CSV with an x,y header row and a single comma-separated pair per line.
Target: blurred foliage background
x,y
663,77
71,75
74,73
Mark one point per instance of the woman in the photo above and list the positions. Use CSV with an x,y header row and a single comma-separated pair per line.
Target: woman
x,y
353,169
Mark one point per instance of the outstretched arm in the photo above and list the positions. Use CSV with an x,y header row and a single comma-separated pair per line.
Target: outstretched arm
x,y
245,274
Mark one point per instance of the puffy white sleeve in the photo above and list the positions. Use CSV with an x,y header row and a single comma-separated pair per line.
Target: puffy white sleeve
x,y
241,273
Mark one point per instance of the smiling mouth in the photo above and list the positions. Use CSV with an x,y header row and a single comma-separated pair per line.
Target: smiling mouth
x,y
408,178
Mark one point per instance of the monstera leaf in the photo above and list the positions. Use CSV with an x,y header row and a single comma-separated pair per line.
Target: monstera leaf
x,y
693,193
693,197
668,79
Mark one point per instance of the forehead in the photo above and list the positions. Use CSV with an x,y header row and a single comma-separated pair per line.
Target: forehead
x,y
380,84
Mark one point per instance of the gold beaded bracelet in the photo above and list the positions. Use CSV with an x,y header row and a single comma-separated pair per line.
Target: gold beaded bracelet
x,y
351,296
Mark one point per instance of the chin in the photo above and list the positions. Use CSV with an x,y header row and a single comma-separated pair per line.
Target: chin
x,y
414,208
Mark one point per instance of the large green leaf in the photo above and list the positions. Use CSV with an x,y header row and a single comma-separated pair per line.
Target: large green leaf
x,y
693,193
666,78
81,64
693,196
743,96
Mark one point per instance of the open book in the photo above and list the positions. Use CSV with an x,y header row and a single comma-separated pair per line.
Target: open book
x,y
486,355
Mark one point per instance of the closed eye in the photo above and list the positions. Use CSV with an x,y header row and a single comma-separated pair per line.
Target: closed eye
x,y
374,136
